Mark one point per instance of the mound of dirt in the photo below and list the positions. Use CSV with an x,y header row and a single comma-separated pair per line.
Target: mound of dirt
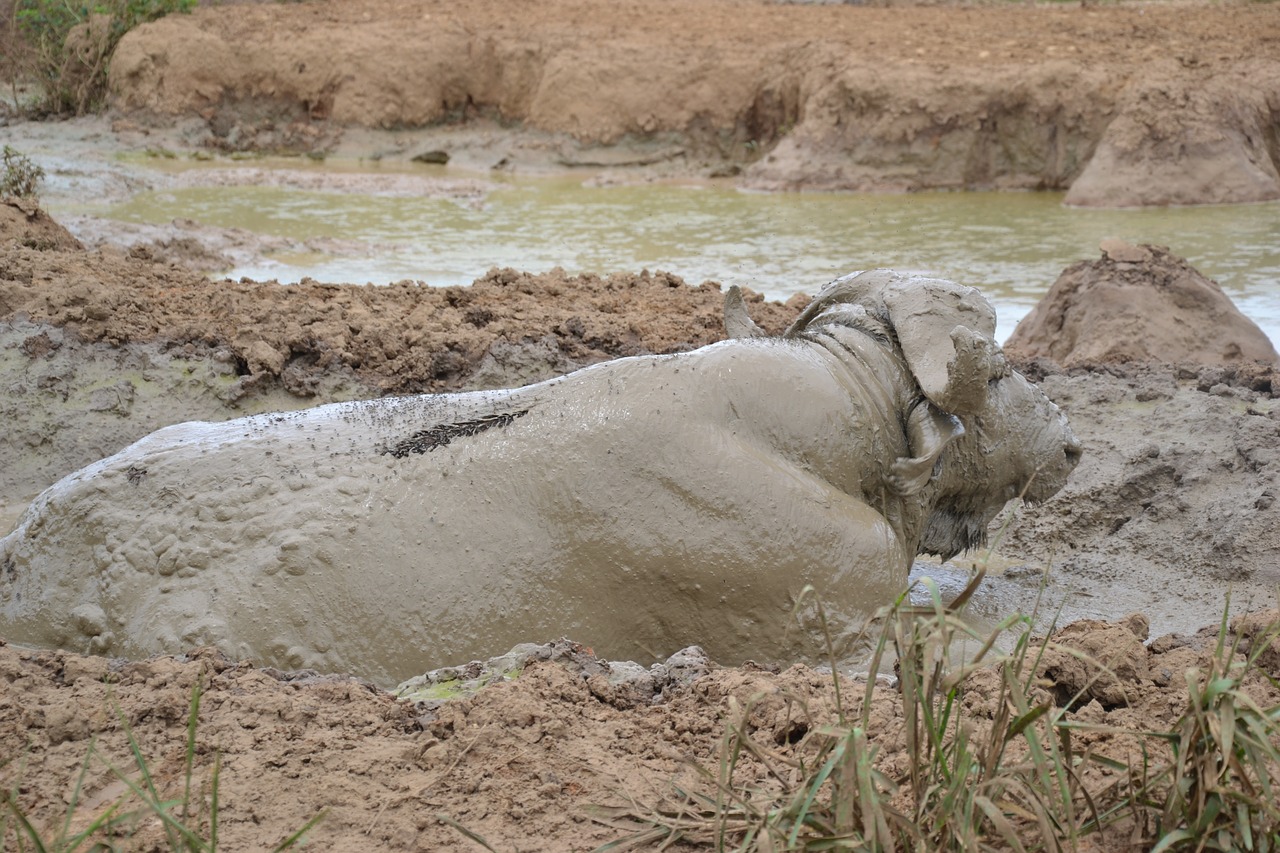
x,y
1138,304
405,337
807,96
545,761
1180,138
24,223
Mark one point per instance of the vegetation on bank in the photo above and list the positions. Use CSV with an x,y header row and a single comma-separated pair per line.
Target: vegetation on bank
x,y
64,48
19,177
993,761
1012,777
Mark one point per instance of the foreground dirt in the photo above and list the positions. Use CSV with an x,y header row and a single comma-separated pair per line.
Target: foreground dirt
x,y
1123,105
527,764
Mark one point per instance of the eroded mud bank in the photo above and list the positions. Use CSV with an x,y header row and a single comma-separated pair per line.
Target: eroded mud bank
x,y
1125,106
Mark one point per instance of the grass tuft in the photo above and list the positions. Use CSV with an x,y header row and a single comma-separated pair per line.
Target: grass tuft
x,y
991,761
65,47
1221,791
190,824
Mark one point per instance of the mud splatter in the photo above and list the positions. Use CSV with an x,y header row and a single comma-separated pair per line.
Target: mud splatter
x,y
427,440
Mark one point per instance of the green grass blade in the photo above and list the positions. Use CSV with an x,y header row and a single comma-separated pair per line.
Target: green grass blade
x,y
175,831
813,786
468,833
36,842
153,800
193,718
213,801
1176,837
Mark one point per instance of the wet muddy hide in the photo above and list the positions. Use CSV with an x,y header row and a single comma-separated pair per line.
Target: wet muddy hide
x,y
640,505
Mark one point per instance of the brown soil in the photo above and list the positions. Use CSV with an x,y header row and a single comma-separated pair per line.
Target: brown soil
x,y
1138,304
525,764
1124,105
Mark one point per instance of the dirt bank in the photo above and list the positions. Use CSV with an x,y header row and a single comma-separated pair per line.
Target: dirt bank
x,y
1130,105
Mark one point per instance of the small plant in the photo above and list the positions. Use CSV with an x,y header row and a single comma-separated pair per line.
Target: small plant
x,y
1222,789
190,822
1002,783
63,839
72,43
19,176
1005,779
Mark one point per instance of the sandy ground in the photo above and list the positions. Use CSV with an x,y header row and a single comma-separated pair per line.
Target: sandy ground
x,y
1172,508
523,763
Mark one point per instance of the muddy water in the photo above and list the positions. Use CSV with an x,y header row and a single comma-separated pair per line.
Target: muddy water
x,y
1012,245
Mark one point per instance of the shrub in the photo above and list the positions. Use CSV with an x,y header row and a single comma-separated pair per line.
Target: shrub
x,y
19,176
71,43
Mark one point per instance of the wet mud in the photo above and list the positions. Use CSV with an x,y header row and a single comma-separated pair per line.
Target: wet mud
x,y
102,348
1170,510
648,503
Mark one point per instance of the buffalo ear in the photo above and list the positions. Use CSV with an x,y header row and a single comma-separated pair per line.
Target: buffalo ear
x,y
737,322
947,334
929,431
857,288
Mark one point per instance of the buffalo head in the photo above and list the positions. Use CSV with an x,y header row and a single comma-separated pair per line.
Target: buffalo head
x,y
978,433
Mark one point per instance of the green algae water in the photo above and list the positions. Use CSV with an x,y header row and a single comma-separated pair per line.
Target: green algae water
x,y
1010,245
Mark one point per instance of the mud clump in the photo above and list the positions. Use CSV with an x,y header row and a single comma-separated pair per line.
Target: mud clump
x,y
1100,661
1138,304
405,337
623,684
24,223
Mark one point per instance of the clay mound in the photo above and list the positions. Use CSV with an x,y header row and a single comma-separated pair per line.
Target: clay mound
x,y
23,223
1138,304
507,328
1179,142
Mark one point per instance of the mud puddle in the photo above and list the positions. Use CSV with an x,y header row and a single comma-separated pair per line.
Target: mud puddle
x,y
1011,244
1051,599
360,219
